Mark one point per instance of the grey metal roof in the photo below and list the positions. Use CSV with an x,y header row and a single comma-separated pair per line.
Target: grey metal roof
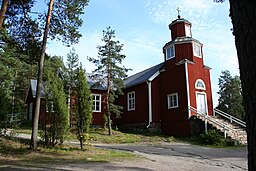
x,y
142,76
179,20
182,40
33,85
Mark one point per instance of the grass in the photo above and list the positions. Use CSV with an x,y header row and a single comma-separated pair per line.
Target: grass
x,y
23,131
100,135
14,152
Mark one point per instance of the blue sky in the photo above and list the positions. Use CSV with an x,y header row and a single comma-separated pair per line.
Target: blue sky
x,y
142,26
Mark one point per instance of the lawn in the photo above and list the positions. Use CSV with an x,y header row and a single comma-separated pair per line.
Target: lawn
x,y
100,135
15,152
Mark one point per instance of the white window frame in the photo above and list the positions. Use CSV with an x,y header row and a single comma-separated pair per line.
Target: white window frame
x,y
95,102
167,54
200,88
197,45
169,101
188,30
131,100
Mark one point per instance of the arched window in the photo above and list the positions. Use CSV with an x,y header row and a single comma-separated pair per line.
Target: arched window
x,y
200,84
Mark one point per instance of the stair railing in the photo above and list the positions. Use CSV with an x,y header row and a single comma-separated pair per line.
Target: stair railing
x,y
208,118
229,117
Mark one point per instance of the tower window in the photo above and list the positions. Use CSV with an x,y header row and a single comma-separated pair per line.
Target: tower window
x,y
187,31
170,52
197,50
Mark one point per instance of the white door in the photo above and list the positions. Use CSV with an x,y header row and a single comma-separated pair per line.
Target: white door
x,y
201,102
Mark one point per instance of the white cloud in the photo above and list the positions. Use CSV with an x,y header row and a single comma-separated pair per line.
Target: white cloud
x,y
163,11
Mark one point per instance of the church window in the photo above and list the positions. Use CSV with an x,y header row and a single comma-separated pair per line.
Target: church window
x,y
197,50
96,102
187,31
172,100
170,52
200,84
131,100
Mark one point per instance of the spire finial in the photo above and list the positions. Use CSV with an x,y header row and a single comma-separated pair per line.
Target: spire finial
x,y
178,10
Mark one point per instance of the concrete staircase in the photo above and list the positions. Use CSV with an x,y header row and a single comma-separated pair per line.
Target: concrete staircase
x,y
229,125
236,132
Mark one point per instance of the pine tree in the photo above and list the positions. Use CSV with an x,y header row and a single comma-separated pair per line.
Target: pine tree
x,y
110,72
70,78
230,100
14,78
83,107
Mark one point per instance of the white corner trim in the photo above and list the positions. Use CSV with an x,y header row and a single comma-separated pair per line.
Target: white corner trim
x,y
187,86
149,104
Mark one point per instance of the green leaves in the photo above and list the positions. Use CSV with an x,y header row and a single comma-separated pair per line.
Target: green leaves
x,y
65,20
109,70
83,106
56,101
230,100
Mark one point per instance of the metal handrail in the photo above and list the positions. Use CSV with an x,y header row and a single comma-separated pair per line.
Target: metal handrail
x,y
14,117
230,117
226,128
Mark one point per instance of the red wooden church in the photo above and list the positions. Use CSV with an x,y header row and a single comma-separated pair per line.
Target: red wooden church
x,y
162,95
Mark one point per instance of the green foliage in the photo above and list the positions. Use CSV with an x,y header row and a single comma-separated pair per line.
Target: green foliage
x,y
23,30
65,20
212,137
83,107
109,72
72,66
55,101
14,79
231,100
70,80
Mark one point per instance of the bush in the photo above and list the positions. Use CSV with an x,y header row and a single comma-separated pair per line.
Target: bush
x,y
212,137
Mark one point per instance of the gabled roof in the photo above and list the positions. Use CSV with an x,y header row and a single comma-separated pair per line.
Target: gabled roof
x,y
142,76
92,85
33,85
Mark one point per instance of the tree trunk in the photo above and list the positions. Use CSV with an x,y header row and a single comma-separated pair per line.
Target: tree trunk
x,y
3,12
243,16
108,108
33,144
81,132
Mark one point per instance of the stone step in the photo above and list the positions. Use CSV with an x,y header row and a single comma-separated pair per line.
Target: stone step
x,y
236,131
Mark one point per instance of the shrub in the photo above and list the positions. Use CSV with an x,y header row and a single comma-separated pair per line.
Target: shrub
x,y
212,137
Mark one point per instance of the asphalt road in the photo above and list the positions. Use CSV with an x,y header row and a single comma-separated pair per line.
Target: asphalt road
x,y
181,156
